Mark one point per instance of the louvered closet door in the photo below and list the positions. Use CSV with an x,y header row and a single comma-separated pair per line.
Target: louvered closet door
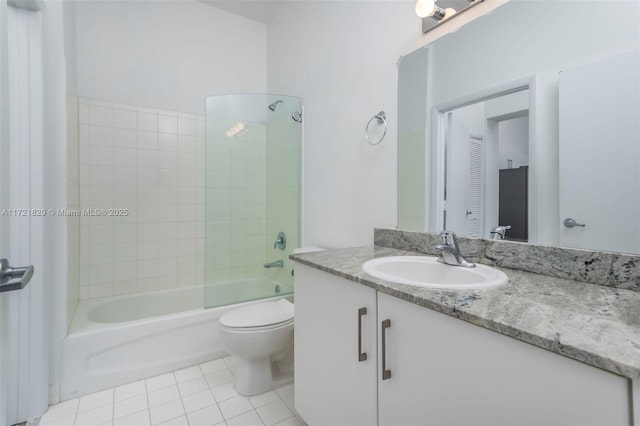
x,y
474,188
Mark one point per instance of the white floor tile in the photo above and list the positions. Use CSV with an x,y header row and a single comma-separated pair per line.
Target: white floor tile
x,y
273,413
224,392
95,400
193,386
212,366
166,412
60,422
64,410
95,417
247,419
160,382
163,395
264,399
208,416
235,406
130,390
186,397
141,418
285,391
188,373
219,377
291,421
179,421
290,401
130,406
198,401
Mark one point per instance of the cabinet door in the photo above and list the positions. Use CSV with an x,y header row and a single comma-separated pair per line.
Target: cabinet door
x,y
445,371
334,385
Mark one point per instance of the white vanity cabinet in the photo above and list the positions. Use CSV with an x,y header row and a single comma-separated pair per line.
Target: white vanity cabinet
x,y
445,371
442,370
334,384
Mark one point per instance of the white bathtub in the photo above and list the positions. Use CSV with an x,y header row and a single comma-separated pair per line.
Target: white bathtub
x,y
117,340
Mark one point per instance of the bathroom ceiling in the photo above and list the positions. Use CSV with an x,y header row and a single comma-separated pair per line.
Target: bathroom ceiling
x,y
258,10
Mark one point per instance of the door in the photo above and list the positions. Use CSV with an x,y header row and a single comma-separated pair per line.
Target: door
x,y
464,180
513,208
475,172
335,349
24,357
599,154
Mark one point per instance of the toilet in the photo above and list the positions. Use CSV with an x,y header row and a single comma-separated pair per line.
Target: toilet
x,y
261,334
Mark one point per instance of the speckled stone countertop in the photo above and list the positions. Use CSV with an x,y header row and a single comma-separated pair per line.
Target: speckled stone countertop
x,y
595,324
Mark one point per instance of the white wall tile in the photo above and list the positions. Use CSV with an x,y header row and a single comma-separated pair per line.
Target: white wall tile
x,y
167,142
125,176
124,118
100,135
148,121
167,124
187,126
124,157
147,140
100,115
124,138
146,161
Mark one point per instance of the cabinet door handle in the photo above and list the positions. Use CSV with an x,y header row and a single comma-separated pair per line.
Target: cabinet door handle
x,y
386,373
362,356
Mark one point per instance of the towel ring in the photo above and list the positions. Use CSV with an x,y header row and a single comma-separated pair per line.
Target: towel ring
x,y
381,118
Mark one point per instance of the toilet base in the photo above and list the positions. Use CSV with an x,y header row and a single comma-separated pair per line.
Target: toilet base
x,y
253,377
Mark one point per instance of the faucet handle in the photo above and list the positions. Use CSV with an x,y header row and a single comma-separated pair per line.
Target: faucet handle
x,y
281,241
449,238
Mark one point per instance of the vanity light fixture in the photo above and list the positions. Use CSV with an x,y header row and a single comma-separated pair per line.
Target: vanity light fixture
x,y
429,8
435,12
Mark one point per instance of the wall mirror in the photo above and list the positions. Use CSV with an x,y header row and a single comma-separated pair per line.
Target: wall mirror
x,y
525,125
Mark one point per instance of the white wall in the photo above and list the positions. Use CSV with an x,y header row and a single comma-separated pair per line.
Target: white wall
x,y
340,57
513,142
166,54
473,117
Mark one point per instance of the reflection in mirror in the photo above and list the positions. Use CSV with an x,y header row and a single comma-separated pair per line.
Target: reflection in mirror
x,y
564,154
487,159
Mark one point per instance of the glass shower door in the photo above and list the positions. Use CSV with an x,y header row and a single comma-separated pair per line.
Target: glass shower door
x,y
252,185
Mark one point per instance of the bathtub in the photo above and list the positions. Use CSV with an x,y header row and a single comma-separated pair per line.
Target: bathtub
x,y
117,340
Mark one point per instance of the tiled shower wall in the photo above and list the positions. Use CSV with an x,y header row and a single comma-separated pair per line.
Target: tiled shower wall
x,y
142,174
283,193
236,199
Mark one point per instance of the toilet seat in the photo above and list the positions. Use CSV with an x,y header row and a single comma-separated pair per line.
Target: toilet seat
x,y
259,316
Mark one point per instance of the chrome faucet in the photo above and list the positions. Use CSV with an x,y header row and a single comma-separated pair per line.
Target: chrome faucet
x,y
276,264
499,232
450,251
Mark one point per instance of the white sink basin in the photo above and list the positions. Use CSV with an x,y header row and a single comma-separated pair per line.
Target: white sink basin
x,y
423,271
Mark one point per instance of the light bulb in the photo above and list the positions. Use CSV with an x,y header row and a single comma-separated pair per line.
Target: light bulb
x,y
425,8
449,12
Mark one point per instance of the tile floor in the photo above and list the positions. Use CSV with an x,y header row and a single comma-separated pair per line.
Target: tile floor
x,y
202,395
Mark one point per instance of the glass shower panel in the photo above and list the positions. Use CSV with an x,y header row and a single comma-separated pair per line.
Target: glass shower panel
x,y
252,192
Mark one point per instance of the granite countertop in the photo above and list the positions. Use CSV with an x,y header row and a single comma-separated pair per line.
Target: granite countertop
x,y
595,324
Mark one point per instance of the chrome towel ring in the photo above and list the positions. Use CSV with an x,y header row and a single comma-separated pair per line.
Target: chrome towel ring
x,y
381,118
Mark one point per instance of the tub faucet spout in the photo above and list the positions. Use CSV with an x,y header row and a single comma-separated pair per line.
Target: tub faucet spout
x,y
276,264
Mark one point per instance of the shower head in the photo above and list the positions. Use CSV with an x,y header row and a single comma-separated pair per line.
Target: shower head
x,y
297,116
273,106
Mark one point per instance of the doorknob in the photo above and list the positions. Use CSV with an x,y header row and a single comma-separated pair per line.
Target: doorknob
x,y
570,223
12,278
